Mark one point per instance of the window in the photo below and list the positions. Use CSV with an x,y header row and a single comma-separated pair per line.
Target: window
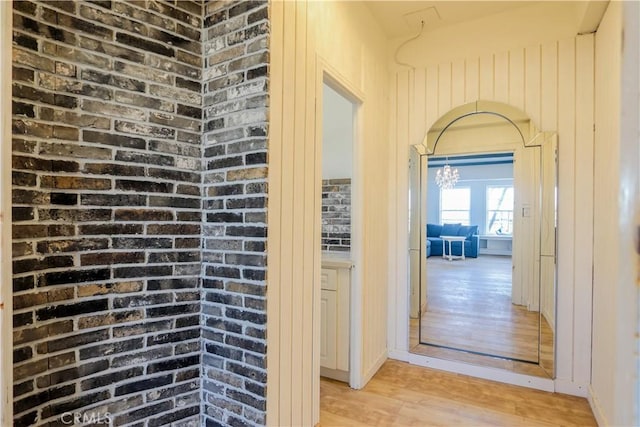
x,y
455,205
499,209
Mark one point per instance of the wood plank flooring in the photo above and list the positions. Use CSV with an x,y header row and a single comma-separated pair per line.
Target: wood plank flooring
x,y
469,308
401,394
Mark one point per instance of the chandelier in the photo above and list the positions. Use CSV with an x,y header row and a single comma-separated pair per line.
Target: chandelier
x,y
447,177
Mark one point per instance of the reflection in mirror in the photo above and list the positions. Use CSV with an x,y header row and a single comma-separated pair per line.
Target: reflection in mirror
x,y
482,253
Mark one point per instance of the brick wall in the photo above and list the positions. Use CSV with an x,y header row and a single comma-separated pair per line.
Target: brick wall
x,y
235,190
336,215
107,102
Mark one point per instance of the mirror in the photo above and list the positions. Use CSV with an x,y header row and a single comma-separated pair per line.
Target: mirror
x,y
483,253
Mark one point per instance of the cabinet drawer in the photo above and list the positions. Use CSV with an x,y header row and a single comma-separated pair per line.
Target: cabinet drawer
x,y
329,279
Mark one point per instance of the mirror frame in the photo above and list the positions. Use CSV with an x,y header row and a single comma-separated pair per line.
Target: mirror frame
x,y
531,137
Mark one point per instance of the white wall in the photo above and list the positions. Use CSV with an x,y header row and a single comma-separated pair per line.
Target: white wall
x,y
337,135
614,388
552,82
342,39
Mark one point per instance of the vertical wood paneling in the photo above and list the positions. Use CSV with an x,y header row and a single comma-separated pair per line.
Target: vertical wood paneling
x,y
549,86
532,103
566,195
457,89
299,190
311,250
487,77
557,94
6,371
584,202
401,137
516,78
431,97
501,71
419,105
303,39
274,212
444,88
471,80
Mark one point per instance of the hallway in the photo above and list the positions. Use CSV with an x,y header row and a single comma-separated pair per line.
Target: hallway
x,y
407,395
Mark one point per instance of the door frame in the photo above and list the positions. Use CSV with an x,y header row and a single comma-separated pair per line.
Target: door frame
x,y
6,342
327,74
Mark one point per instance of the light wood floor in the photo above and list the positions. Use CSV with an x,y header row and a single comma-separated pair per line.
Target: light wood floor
x,y
469,308
405,395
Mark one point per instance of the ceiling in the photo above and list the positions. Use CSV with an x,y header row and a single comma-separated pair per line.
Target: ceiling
x,y
403,18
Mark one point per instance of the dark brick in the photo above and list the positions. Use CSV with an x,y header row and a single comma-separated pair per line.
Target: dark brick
x,y
113,200
73,341
23,388
23,109
76,24
23,283
173,364
22,213
111,377
174,337
79,402
141,243
126,272
109,348
145,45
113,169
248,231
21,354
143,413
36,264
177,283
65,310
143,385
42,397
72,373
79,276
113,139
247,399
174,416
250,274
75,245
172,310
64,199
144,186
109,229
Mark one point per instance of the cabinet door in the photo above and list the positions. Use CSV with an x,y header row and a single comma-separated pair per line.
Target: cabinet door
x,y
328,329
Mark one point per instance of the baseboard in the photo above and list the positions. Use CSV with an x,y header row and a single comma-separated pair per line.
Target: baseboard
x,y
335,374
493,374
596,408
401,355
574,389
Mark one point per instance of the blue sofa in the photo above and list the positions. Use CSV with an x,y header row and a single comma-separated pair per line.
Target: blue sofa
x,y
471,243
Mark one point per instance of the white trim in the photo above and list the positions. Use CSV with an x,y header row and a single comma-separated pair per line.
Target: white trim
x,y
492,374
326,74
400,355
574,389
596,408
6,343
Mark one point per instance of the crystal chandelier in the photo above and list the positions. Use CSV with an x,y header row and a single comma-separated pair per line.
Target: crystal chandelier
x,y
447,177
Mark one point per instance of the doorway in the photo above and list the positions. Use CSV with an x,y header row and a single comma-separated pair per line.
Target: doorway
x,y
339,210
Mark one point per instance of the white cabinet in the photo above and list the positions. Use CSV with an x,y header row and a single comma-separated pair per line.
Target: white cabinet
x,y
334,315
495,245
